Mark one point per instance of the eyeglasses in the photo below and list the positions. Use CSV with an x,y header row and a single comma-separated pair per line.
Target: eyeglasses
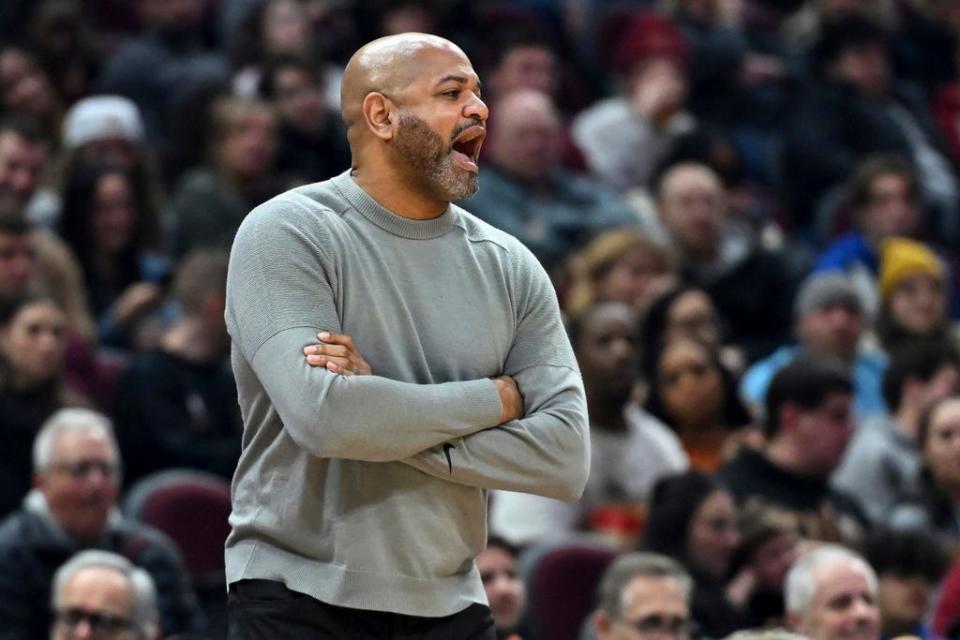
x,y
674,626
101,624
83,468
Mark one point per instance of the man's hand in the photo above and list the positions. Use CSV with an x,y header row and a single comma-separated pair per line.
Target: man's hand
x,y
337,354
510,397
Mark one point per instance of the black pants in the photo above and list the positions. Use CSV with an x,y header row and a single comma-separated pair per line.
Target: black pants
x,y
267,610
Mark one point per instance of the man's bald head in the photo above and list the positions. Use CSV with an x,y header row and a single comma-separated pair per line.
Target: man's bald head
x,y
387,65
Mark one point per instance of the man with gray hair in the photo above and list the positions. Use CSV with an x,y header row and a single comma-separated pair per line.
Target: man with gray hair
x,y
99,594
72,508
643,595
830,594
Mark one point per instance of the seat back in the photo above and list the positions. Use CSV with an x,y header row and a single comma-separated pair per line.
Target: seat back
x,y
192,508
562,583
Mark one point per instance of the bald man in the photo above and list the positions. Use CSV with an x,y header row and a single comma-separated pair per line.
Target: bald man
x,y
442,371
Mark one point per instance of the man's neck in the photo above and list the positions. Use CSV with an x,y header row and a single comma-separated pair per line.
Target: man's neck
x,y
392,191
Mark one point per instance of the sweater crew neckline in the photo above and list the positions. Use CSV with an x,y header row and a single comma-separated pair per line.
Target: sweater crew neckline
x,y
387,220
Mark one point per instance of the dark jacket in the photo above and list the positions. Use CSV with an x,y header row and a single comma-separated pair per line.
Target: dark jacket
x,y
832,129
822,513
173,413
32,548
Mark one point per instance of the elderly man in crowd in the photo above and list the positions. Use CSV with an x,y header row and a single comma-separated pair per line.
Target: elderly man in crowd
x,y
98,594
528,194
72,508
751,286
643,595
831,594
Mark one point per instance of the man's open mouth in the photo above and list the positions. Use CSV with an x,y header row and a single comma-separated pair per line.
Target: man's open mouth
x,y
466,147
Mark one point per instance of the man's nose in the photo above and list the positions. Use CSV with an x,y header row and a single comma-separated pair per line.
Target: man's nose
x,y
477,109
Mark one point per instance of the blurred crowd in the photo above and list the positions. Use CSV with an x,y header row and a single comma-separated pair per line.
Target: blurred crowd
x,y
750,211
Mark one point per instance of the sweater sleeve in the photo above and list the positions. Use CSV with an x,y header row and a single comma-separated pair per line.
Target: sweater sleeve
x,y
547,452
281,290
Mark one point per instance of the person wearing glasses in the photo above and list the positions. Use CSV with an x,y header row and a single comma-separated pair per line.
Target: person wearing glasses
x,y
72,508
643,595
99,594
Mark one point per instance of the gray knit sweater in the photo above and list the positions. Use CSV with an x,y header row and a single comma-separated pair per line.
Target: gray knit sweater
x,y
369,491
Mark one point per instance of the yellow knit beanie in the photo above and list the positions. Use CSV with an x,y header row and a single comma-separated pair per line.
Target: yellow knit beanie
x,y
902,258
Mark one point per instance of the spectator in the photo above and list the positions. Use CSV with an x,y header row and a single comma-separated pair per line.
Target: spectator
x,y
625,138
751,286
688,312
882,465
33,341
623,265
881,199
630,449
274,29
210,202
101,594
913,290
76,475
852,110
526,192
505,590
98,129
312,140
164,64
66,47
26,90
643,594
808,422
17,254
178,403
694,521
909,566
23,160
691,391
829,322
934,506
110,225
831,594
768,546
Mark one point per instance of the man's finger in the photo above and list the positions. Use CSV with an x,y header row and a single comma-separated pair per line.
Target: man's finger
x,y
336,338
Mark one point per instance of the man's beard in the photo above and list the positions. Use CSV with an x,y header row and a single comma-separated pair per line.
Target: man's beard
x,y
430,161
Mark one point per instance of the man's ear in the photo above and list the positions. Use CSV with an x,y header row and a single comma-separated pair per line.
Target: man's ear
x,y
380,114
601,624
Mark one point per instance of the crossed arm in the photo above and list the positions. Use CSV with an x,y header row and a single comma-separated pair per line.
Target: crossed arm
x,y
541,453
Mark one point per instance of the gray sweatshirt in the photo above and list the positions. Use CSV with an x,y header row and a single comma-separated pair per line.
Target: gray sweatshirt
x,y
370,491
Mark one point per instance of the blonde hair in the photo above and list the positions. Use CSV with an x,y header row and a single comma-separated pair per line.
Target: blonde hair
x,y
595,260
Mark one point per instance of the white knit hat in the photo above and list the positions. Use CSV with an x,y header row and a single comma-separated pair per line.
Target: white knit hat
x,y
100,118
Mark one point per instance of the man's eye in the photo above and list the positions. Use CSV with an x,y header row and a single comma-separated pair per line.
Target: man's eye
x,y
453,93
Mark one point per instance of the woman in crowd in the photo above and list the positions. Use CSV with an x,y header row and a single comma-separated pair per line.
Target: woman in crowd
x,y
693,393
688,311
212,201
913,293
33,342
936,505
620,265
108,222
693,519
